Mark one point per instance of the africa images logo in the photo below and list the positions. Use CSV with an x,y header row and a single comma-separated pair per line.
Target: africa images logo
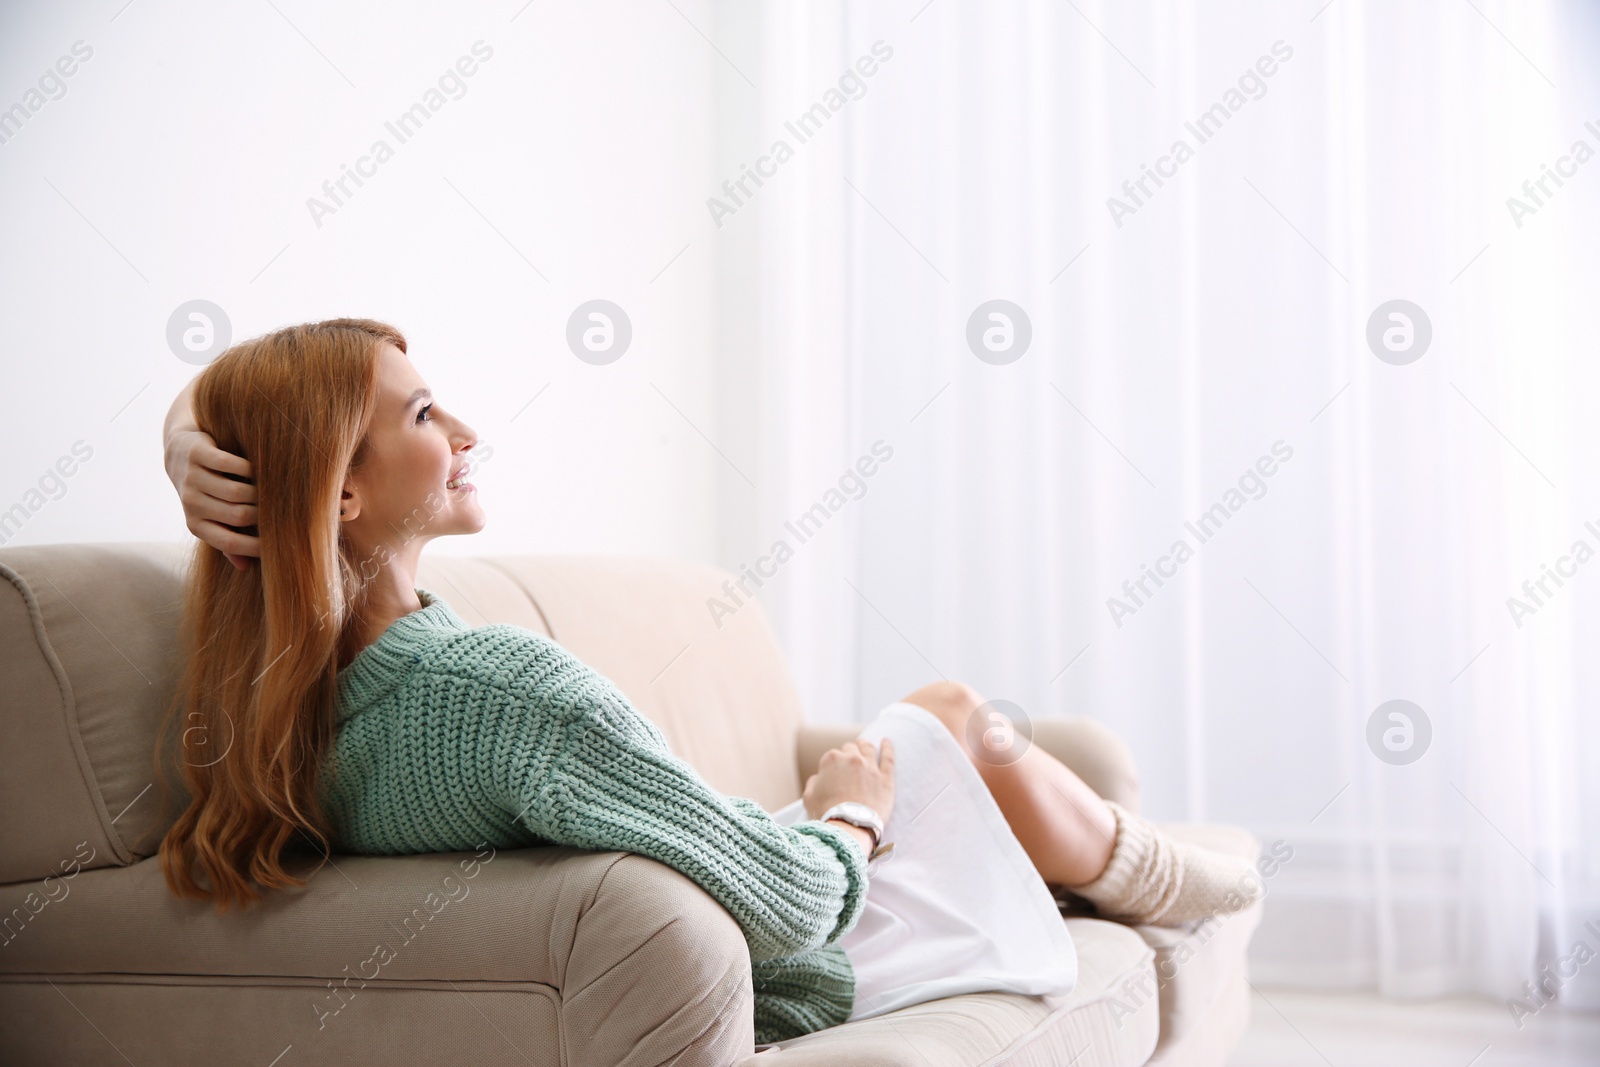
x,y
1253,482
1203,129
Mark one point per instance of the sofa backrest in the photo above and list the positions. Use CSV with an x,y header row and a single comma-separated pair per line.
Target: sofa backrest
x,y
88,666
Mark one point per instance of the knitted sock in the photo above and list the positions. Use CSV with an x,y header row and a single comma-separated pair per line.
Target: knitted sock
x,y
1153,879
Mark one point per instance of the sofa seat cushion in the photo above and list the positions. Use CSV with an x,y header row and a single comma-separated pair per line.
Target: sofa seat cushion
x,y
1081,1028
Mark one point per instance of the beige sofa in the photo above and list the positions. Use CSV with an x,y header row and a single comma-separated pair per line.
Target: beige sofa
x,y
552,956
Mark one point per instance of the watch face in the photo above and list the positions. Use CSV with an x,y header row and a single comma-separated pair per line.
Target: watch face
x,y
852,810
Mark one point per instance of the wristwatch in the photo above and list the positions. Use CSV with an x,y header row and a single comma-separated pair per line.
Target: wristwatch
x,y
858,814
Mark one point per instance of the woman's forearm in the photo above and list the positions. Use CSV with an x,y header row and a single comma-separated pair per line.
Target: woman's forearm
x,y
791,889
181,414
863,836
180,420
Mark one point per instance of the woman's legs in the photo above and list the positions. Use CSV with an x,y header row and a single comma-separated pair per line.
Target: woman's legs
x,y
1062,824
1123,863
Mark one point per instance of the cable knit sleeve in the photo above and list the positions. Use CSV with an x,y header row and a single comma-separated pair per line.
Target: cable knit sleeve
x,y
577,764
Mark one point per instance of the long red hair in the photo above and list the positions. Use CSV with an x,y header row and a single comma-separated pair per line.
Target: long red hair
x,y
262,647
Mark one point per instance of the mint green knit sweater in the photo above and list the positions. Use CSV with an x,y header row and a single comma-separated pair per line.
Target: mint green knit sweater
x,y
448,737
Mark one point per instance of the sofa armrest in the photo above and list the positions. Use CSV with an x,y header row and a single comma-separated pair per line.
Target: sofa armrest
x,y
1095,754
639,963
812,741
655,971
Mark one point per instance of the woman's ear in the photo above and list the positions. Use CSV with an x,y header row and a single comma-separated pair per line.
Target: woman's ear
x,y
349,502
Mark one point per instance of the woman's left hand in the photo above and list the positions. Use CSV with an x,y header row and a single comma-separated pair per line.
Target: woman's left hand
x,y
856,770
213,503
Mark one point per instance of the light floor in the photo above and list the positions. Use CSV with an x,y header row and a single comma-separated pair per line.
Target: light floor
x,y
1293,1028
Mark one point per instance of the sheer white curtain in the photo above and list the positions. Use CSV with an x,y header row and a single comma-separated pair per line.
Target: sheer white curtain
x,y
1212,328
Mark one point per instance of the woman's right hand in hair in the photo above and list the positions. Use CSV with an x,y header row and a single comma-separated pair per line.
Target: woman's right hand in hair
x,y
857,771
212,501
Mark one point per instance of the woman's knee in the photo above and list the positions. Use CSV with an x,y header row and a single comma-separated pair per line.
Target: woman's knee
x,y
951,702
956,704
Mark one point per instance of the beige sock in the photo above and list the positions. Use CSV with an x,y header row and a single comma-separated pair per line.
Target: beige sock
x,y
1154,879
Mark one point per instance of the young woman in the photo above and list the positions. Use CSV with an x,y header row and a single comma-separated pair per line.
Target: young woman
x,y
314,464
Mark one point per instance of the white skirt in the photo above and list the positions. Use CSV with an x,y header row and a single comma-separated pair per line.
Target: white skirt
x,y
957,907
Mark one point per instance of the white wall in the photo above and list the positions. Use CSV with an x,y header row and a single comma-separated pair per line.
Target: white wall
x,y
178,163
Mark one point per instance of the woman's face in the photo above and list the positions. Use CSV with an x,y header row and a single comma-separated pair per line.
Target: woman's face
x,y
413,486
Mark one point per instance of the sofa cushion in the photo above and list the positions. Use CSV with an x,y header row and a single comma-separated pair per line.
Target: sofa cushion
x,y
88,651
87,654
716,685
1082,1028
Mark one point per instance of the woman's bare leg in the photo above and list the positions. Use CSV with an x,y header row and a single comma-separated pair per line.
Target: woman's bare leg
x,y
1062,824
